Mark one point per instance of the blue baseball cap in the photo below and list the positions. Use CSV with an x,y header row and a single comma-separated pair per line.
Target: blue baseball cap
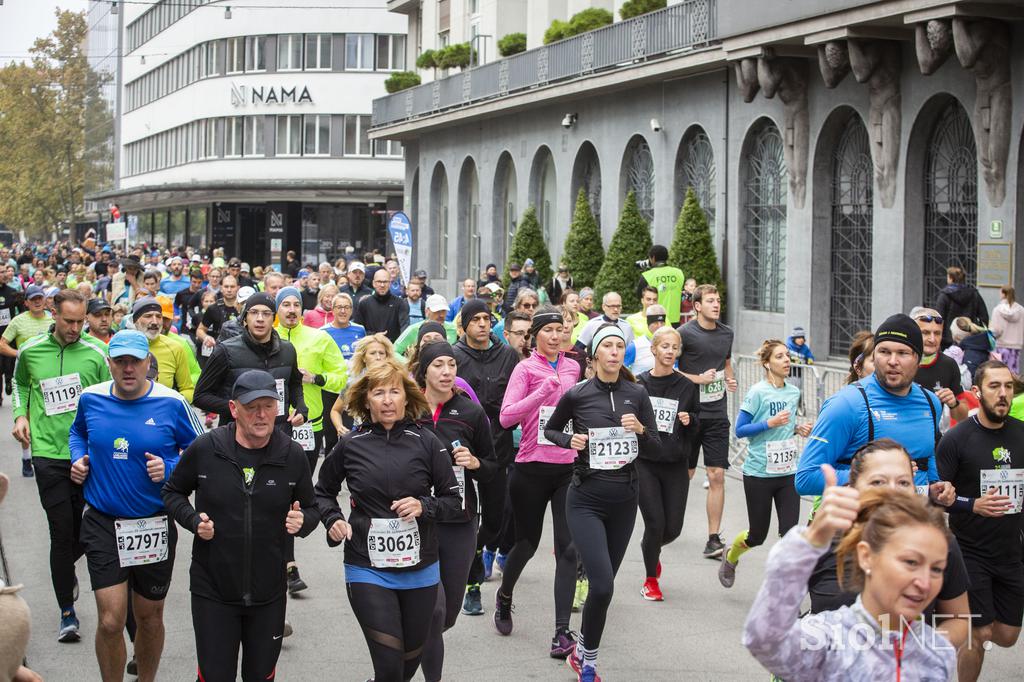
x,y
33,290
129,342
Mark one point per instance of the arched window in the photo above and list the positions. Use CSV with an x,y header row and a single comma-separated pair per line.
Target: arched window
x,y
469,216
439,216
950,200
543,190
587,176
764,221
695,167
639,176
852,211
505,216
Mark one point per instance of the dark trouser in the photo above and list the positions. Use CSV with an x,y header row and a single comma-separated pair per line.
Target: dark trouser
x,y
395,625
493,498
63,503
221,628
456,549
7,368
760,492
531,487
601,514
664,488
507,535
330,433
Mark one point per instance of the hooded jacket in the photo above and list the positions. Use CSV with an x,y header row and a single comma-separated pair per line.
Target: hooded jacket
x,y
244,563
317,353
960,300
488,372
976,349
535,384
386,313
1008,325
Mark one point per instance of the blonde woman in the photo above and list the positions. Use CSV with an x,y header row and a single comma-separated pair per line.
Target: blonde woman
x,y
370,351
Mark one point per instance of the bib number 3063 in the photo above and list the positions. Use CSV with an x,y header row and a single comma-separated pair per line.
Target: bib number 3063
x,y
780,456
303,435
60,394
1009,482
393,543
612,447
141,541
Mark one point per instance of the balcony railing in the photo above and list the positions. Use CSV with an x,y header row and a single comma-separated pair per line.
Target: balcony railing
x,y
687,25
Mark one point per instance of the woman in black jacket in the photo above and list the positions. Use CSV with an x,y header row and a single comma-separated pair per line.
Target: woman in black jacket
x,y
401,483
663,469
612,420
462,424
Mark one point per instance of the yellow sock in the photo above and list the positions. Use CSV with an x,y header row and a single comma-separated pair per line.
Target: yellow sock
x,y
739,547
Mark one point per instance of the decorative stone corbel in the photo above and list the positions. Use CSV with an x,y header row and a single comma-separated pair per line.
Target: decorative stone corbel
x,y
833,62
788,77
878,63
746,78
933,42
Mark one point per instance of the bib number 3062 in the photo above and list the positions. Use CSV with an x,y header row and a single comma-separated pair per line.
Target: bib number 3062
x,y
1009,482
612,447
393,543
141,541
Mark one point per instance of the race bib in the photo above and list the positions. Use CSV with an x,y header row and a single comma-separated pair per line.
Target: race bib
x,y
280,396
921,490
780,456
206,351
1009,482
542,421
714,391
141,541
5,317
303,435
60,394
460,478
393,543
666,411
612,447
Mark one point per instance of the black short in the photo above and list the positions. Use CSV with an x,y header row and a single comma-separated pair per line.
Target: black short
x,y
996,592
714,441
148,580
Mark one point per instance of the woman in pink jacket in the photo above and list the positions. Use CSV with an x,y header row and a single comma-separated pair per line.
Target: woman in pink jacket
x,y
541,474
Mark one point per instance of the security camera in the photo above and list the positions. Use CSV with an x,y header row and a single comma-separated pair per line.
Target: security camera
x,y
655,125
568,121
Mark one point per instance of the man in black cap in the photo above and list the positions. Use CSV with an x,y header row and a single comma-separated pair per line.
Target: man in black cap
x,y
887,404
99,315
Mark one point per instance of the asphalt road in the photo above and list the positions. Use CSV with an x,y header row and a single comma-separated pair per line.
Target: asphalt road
x,y
693,635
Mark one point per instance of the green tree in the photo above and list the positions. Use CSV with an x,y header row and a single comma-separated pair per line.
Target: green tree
x,y
401,80
630,243
42,109
513,43
426,60
634,8
588,20
556,31
528,242
692,250
584,252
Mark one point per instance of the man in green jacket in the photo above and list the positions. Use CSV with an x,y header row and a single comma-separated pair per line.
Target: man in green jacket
x,y
666,279
51,371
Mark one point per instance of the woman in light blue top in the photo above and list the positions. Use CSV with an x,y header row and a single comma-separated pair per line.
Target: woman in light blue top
x,y
768,420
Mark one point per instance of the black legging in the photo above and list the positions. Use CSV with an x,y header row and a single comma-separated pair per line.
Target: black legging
x,y
456,544
311,458
63,503
760,492
532,486
330,433
493,498
221,628
395,625
601,514
664,488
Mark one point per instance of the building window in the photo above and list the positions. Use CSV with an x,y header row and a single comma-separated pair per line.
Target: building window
x,y
255,53
764,222
233,136
236,55
359,52
387,148
209,59
254,136
316,139
289,135
208,138
318,51
640,177
289,52
357,141
390,52
697,170
444,15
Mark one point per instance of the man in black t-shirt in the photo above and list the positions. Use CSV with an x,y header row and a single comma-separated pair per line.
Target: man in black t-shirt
x,y
226,308
186,321
983,457
938,372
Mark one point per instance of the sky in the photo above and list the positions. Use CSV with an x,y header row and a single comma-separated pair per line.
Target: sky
x,y
22,21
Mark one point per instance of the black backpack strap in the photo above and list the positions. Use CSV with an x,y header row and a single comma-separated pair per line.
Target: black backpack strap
x,y
922,463
871,423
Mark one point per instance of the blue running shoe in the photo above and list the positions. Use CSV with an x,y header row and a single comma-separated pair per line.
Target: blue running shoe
x,y
500,559
487,556
68,627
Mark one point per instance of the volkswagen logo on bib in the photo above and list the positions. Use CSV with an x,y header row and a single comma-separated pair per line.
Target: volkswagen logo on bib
x,y
394,524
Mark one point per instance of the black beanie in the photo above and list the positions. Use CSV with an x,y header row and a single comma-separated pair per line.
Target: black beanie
x,y
430,326
541,320
429,353
258,299
471,309
901,328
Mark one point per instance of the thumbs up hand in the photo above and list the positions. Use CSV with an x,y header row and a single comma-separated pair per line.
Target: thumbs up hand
x,y
154,467
205,529
293,522
79,470
837,512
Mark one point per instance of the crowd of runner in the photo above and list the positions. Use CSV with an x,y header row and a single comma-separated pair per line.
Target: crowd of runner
x,y
153,390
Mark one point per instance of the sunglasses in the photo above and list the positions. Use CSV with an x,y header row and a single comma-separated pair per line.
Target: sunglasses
x,y
937,319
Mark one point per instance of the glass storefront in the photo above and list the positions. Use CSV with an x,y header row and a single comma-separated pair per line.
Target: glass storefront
x,y
328,228
197,226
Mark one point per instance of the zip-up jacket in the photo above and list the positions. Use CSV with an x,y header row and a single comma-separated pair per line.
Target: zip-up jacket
x,y
381,467
676,445
43,357
488,372
529,389
460,419
232,357
382,314
595,404
244,563
318,354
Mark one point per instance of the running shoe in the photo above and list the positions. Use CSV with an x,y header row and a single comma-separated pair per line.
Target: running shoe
x,y
487,556
133,667
707,483
563,643
288,630
714,548
651,591
582,591
726,572
583,673
26,468
68,627
471,604
502,613
295,582
500,559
